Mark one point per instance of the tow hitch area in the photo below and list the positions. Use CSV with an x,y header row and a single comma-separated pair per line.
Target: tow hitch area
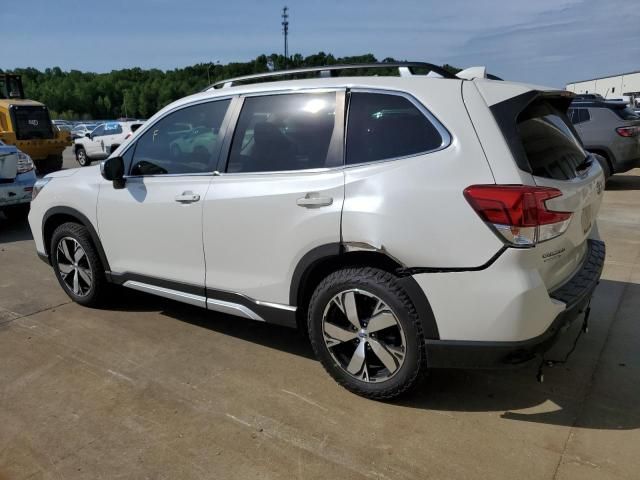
x,y
552,363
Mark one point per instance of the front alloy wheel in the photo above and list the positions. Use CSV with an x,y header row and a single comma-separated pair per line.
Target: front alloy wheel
x,y
81,156
74,267
77,265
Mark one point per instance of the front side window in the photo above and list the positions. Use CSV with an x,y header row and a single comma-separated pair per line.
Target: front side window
x,y
98,132
184,142
383,126
283,132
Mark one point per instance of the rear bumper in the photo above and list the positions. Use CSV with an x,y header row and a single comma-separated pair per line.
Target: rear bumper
x,y
575,294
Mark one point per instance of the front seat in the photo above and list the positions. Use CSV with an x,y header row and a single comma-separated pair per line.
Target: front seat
x,y
272,150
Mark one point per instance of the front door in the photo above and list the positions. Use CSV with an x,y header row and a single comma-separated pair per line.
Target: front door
x,y
152,229
94,144
279,195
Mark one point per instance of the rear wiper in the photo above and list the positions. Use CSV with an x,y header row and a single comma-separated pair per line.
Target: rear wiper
x,y
586,163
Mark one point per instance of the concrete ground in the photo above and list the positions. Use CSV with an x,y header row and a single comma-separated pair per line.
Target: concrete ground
x,y
149,388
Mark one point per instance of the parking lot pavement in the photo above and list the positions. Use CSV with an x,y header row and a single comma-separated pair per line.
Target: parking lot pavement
x,y
149,388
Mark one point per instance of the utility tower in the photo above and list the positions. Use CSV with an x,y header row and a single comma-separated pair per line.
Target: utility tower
x,y
285,32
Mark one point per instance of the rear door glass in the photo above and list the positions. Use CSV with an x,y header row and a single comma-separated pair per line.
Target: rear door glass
x,y
552,149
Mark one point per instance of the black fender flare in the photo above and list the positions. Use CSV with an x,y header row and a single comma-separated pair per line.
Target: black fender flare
x,y
81,219
334,251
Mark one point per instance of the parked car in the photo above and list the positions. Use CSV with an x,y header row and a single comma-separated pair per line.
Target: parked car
x,y
611,130
17,177
81,130
62,125
405,223
103,140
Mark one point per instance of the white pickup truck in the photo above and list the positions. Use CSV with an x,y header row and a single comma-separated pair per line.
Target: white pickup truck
x,y
103,140
17,176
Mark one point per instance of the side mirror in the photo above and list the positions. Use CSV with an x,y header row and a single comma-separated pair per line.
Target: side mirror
x,y
112,169
88,135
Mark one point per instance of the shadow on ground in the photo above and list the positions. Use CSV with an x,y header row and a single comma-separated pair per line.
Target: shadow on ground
x,y
503,392
623,182
500,391
14,231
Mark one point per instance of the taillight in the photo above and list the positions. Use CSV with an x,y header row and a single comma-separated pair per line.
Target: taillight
x,y
627,131
518,213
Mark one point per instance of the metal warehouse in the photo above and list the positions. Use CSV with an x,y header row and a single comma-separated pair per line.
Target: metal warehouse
x,y
614,86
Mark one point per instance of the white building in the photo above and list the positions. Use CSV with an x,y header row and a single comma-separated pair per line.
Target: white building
x,y
615,86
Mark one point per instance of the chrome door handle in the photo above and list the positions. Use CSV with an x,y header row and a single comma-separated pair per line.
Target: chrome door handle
x,y
314,200
187,197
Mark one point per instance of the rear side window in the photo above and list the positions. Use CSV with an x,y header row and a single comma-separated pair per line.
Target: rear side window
x,y
553,151
578,115
384,126
283,132
112,128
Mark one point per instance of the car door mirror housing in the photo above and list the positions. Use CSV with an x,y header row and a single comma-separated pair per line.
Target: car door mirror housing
x,y
88,135
112,169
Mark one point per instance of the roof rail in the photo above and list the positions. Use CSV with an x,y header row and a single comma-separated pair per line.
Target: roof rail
x,y
405,69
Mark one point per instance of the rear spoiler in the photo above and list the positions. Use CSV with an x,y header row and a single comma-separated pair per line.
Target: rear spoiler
x,y
506,114
476,72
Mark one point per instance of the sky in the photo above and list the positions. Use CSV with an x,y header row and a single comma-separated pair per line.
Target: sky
x,y
549,42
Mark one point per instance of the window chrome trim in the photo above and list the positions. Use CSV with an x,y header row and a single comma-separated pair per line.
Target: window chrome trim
x,y
447,138
293,91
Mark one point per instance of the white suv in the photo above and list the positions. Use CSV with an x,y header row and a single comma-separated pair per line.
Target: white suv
x,y
102,141
407,222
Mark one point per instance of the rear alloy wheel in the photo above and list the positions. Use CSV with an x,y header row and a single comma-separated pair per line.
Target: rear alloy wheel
x,y
77,265
81,157
363,335
366,332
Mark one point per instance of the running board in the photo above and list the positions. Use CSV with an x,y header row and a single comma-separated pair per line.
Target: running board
x,y
243,306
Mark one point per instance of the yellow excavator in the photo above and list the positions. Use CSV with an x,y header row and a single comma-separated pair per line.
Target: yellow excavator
x,y
27,125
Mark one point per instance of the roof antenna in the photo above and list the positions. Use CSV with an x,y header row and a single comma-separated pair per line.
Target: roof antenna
x,y
285,32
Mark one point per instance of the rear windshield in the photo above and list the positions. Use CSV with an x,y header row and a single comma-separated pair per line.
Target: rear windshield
x,y
626,113
552,149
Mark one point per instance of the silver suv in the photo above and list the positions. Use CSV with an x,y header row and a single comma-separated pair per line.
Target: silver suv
x,y
609,129
407,222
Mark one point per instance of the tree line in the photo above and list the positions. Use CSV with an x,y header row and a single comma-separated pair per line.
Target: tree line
x,y
138,93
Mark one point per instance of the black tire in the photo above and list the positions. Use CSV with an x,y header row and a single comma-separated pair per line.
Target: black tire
x,y
52,163
17,213
82,158
604,164
386,288
96,292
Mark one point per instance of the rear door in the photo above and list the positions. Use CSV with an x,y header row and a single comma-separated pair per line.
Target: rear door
x,y
113,134
558,160
279,194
